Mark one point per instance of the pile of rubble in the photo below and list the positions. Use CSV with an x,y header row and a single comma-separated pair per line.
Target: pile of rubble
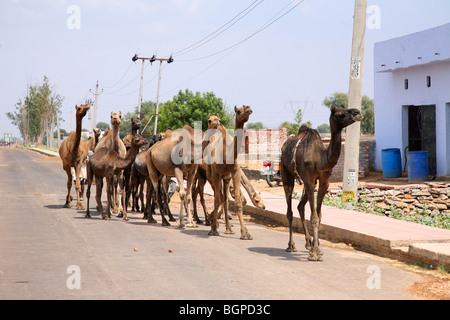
x,y
430,197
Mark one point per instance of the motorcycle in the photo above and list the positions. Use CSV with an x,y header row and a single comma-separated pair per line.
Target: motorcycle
x,y
272,171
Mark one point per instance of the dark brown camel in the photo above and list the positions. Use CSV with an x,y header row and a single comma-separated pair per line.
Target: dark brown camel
x,y
106,163
73,152
305,156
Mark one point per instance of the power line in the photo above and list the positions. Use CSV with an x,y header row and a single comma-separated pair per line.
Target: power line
x,y
265,26
201,43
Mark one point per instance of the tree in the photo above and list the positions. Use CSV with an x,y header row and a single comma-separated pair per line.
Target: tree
x,y
292,128
324,128
148,109
34,113
187,107
367,109
102,126
255,125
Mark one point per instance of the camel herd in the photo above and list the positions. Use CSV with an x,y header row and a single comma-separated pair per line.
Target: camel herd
x,y
197,157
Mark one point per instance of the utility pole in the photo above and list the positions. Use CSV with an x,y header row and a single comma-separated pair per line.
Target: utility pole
x,y
96,94
351,160
134,59
152,59
170,60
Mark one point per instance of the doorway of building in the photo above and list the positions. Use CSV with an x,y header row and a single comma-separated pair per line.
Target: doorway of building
x,y
422,132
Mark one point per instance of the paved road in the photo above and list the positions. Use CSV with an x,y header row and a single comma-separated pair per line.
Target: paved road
x,y
49,252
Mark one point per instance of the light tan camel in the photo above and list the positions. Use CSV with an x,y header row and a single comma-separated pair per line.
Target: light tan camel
x,y
305,156
112,141
106,163
222,172
198,189
73,152
160,162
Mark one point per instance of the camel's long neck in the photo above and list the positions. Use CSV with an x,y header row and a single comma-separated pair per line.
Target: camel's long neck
x,y
334,148
76,143
116,137
238,138
125,163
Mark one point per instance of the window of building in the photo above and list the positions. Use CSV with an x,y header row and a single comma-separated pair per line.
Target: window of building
x,y
428,81
406,84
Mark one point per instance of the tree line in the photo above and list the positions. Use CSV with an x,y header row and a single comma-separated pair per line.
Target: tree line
x,y
41,108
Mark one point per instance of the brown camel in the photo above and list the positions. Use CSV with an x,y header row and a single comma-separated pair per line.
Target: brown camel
x,y
73,152
160,162
198,189
92,141
112,141
222,172
106,163
305,156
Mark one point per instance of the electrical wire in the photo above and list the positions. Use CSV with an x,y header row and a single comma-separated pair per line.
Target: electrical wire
x,y
216,33
265,26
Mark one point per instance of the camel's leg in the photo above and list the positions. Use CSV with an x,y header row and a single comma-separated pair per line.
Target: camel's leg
x,y
148,207
121,197
78,186
245,235
109,191
288,186
202,201
165,184
217,202
98,193
194,193
314,254
69,186
182,193
89,175
188,202
226,188
301,211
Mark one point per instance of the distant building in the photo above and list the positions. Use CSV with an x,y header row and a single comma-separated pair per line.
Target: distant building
x,y
412,96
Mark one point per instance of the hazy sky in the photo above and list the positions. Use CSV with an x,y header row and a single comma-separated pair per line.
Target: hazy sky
x,y
295,62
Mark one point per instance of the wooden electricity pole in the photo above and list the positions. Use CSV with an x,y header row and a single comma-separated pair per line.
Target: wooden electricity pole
x,y
351,160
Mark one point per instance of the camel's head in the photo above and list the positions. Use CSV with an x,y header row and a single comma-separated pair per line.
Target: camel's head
x,y
242,114
257,200
116,118
82,110
97,132
135,124
138,141
213,121
127,140
341,117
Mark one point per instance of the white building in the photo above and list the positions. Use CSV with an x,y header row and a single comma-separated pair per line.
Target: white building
x,y
412,96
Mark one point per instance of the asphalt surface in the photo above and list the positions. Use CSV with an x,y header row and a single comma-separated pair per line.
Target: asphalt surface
x,y
50,252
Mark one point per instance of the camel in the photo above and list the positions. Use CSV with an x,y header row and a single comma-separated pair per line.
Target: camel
x,y
160,163
106,163
198,189
92,141
73,152
221,172
305,156
112,141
